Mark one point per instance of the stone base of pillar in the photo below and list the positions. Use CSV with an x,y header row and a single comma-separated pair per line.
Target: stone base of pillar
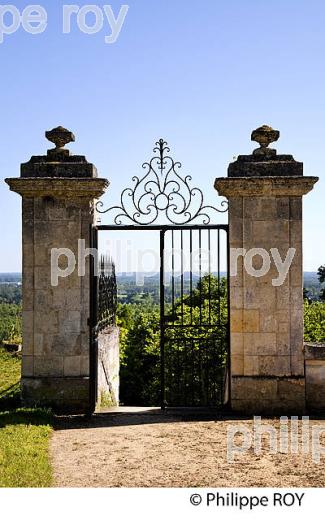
x,y
268,395
61,394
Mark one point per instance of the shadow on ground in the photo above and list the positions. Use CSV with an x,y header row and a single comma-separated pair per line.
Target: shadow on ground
x,y
128,416
136,416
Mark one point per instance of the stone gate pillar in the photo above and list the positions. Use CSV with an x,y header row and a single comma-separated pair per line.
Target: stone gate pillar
x,y
266,312
58,192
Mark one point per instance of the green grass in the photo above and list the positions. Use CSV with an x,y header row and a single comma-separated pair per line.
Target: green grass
x,y
24,433
10,366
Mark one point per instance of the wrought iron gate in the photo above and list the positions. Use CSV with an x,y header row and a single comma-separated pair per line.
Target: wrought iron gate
x,y
194,316
194,324
103,306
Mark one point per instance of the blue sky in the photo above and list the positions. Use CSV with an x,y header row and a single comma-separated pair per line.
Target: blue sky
x,y
200,74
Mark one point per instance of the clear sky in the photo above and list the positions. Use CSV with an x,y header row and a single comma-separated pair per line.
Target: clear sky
x,y
201,74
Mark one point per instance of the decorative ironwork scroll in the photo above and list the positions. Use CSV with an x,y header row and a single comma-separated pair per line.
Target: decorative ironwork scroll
x,y
162,192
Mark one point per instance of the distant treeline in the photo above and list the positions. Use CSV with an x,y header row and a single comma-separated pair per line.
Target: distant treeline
x,y
312,286
10,293
10,277
129,291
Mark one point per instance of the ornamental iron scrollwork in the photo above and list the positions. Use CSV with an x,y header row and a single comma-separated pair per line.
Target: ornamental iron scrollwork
x,y
162,192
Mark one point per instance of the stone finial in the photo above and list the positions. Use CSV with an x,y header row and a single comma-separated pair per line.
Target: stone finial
x,y
60,137
264,136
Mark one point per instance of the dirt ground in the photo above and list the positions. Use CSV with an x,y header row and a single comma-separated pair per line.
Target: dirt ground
x,y
156,449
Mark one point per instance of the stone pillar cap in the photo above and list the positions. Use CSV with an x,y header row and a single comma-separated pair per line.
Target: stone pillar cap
x,y
58,163
264,186
264,161
59,188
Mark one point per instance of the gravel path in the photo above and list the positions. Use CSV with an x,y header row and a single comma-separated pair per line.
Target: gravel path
x,y
157,450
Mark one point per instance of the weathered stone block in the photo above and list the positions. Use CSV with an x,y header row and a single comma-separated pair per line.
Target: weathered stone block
x,y
283,344
268,321
263,298
108,366
41,299
42,278
260,208
260,344
251,319
236,320
74,300
28,344
275,231
274,366
296,232
258,395
296,276
292,389
283,327
295,208
28,280
251,365
252,388
236,297
28,302
63,395
28,366
28,323
72,366
28,254
48,366
297,364
237,344
315,378
237,365
282,298
61,344
46,323
84,366
283,208
236,207
236,230
39,349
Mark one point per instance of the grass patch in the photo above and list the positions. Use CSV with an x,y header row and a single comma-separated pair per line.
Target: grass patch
x,y
10,367
24,433
24,436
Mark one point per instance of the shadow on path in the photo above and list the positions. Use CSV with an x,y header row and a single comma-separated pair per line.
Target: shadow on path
x,y
128,416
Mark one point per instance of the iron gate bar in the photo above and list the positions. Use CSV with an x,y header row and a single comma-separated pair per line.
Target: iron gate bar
x,y
219,275
227,383
93,351
182,370
191,273
163,192
173,279
211,387
104,227
162,318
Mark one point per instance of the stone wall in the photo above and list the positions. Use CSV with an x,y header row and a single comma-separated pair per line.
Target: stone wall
x,y
315,376
266,320
58,192
55,319
265,192
108,367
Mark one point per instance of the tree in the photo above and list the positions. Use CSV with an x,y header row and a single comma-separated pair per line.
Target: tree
x,y
140,355
321,277
314,322
140,342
